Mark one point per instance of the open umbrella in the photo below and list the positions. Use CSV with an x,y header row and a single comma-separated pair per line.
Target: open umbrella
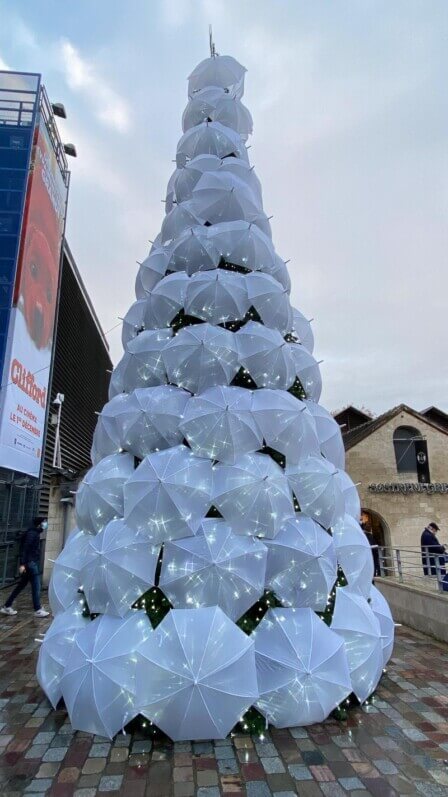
x,y
231,112
219,70
120,566
198,674
99,497
116,384
214,568
169,494
253,495
279,272
201,106
188,176
65,581
133,322
301,328
152,270
329,434
221,196
209,138
145,366
151,419
170,198
177,221
219,424
285,424
55,649
354,554
301,567
165,301
380,608
265,355
98,683
243,244
246,173
307,370
350,494
193,251
314,484
301,668
201,356
217,296
270,300
354,621
108,438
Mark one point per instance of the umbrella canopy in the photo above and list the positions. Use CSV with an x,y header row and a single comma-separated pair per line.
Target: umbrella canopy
x,y
219,424
214,568
198,674
165,301
55,649
301,668
98,683
152,270
99,497
301,328
329,434
120,566
214,104
285,424
217,296
145,366
246,173
314,484
301,567
219,70
253,495
231,112
133,322
116,384
349,493
65,581
151,419
307,370
170,198
181,218
108,438
188,176
265,355
193,251
380,608
270,300
209,138
221,196
243,244
354,554
279,272
201,356
354,621
169,494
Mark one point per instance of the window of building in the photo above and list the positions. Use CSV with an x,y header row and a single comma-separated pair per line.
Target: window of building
x,y
411,453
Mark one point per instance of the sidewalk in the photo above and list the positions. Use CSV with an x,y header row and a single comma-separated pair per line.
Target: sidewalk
x,y
395,747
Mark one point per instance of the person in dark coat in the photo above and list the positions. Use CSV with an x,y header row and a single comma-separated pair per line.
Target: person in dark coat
x,y
365,525
430,546
29,569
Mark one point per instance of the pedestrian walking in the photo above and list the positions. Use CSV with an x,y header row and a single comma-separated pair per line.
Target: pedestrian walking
x,y
431,546
29,569
365,525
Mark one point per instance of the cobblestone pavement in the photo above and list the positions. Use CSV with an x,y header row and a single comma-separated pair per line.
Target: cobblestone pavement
x,y
397,746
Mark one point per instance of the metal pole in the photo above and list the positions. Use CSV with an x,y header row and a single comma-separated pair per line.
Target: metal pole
x,y
399,567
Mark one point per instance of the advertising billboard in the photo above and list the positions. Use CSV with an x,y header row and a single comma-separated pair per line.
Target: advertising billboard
x,y
26,373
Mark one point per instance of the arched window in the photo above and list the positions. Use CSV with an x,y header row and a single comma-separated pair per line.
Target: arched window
x,y
411,453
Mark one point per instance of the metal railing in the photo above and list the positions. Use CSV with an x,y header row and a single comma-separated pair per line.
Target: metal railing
x,y
414,567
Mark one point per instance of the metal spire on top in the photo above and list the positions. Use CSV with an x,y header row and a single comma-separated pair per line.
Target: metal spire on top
x,y
213,52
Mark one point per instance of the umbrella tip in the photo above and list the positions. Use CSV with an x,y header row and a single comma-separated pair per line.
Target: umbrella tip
x,y
213,52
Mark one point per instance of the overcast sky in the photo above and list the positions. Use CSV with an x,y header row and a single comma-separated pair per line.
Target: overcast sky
x,y
350,112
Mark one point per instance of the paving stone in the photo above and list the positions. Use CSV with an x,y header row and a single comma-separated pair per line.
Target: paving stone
x,y
351,783
300,773
256,788
272,765
110,783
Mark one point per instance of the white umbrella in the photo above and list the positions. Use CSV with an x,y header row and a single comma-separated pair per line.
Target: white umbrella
x,y
99,497
231,112
65,581
265,355
354,621
151,419
313,482
301,668
177,221
198,674
99,681
253,495
218,424
279,272
188,176
165,301
145,366
55,649
270,300
285,424
210,138
133,322
243,244
152,270
219,70
201,106
168,495
193,251
301,327
201,356
380,608
246,173
217,296
329,434
170,199
301,567
120,566
307,370
221,196
108,438
116,384
354,554
214,568
350,495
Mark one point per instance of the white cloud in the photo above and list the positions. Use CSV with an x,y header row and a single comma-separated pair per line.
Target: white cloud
x,y
3,64
81,75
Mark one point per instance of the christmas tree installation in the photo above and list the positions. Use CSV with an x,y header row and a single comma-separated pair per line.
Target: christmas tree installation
x,y
218,564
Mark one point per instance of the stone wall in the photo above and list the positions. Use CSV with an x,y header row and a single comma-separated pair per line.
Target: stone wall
x,y
61,516
373,460
417,608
